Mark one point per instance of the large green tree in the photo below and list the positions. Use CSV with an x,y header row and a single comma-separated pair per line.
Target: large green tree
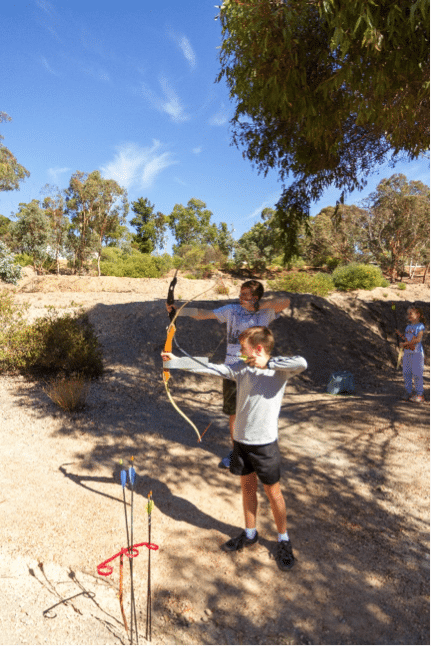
x,y
33,233
150,227
5,227
258,247
96,206
335,235
324,91
109,215
190,224
54,206
396,222
11,173
224,240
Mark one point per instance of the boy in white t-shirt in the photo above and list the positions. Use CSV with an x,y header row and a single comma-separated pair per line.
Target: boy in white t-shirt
x,y
250,311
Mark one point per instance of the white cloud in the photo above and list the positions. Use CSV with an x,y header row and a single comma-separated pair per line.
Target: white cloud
x,y
269,201
187,50
220,118
49,17
47,66
135,165
46,6
197,150
169,103
55,173
184,44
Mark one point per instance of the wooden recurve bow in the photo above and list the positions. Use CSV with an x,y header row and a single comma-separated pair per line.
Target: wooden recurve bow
x,y
168,348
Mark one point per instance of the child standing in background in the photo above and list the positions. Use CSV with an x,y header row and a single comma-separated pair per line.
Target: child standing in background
x,y
413,360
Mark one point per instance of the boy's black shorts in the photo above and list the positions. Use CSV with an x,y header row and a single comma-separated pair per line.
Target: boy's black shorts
x,y
229,397
263,459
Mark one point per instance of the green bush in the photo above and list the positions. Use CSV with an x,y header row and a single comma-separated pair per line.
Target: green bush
x,y
111,254
357,276
402,286
24,259
52,345
332,263
10,270
66,345
302,283
135,265
296,262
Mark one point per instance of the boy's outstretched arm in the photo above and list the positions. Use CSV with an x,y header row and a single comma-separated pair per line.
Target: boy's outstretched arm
x,y
290,365
199,365
276,304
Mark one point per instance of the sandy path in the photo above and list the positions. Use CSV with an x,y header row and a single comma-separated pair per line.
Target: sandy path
x,y
355,474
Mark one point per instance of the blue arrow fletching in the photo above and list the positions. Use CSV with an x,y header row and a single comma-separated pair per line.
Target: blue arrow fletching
x,y
123,477
132,475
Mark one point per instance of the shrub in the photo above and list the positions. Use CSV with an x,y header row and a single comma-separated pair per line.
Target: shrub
x,y
15,335
67,345
221,288
135,265
10,271
357,276
24,259
402,286
69,393
51,345
332,263
302,283
296,262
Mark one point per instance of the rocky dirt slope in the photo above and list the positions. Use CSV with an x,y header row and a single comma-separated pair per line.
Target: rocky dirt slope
x,y
355,475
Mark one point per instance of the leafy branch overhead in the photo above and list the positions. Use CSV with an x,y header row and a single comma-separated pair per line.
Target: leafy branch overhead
x,y
325,91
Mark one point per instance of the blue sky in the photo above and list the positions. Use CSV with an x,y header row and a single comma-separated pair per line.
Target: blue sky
x,y
129,89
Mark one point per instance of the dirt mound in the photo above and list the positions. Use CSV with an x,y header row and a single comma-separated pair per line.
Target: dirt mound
x,y
355,473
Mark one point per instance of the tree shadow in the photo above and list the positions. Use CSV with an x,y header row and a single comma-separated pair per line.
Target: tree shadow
x,y
360,537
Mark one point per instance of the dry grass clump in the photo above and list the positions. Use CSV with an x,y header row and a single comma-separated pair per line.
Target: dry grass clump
x,y
70,393
221,288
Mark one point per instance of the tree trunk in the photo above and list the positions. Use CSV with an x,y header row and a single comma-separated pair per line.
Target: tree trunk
x,y
425,273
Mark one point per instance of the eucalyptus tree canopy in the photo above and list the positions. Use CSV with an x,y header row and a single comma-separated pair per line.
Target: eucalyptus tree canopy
x,y
324,91
11,173
396,222
150,226
96,207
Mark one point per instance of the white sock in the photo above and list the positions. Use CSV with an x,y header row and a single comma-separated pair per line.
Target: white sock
x,y
283,537
250,533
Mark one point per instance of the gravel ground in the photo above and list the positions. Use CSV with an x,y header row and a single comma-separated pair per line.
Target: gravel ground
x,y
355,476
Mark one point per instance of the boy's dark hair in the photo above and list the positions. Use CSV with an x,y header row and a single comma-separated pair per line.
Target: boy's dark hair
x,y
256,289
258,335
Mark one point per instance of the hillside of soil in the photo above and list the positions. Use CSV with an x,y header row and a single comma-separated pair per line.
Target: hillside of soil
x,y
355,477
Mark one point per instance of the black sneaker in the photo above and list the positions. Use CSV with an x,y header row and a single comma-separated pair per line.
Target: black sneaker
x,y
225,463
239,542
284,555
